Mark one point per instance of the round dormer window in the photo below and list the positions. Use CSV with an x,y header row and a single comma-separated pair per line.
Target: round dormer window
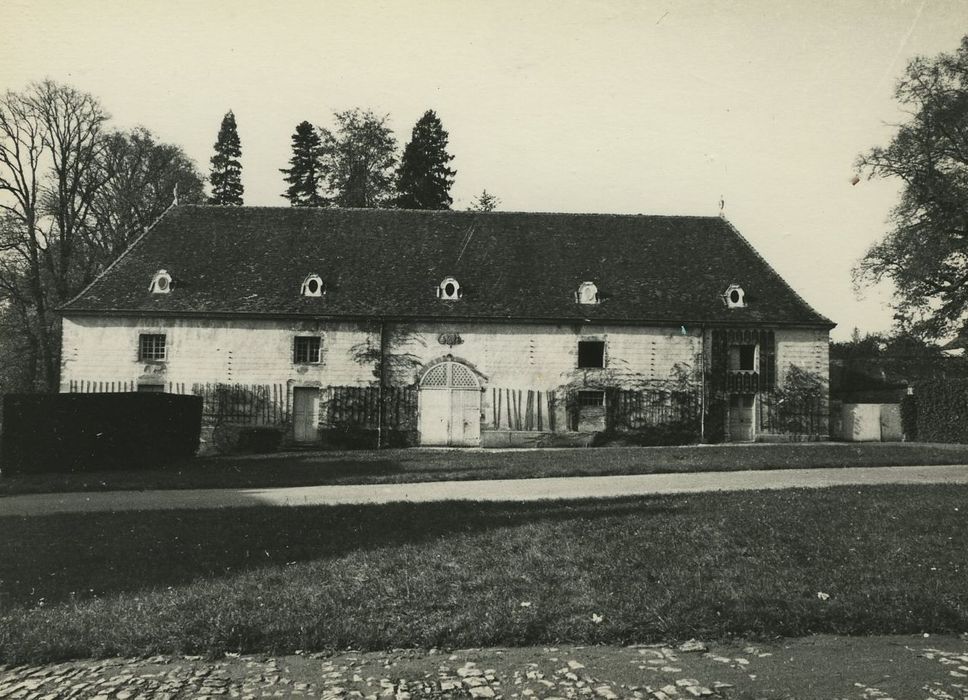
x,y
160,283
312,286
449,289
587,293
735,296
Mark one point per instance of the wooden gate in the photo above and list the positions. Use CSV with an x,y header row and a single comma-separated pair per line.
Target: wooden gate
x,y
450,406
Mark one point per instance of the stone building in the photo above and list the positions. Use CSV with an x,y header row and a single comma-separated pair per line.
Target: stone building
x,y
455,328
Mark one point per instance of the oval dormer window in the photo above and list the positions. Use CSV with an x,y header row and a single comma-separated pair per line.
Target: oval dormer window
x,y
587,293
160,283
449,289
312,286
735,296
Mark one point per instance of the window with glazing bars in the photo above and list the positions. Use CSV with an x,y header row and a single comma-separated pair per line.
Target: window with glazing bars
x,y
591,398
306,349
151,346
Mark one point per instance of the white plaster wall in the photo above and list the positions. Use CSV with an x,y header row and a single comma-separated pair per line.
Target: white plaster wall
x,y
806,348
539,357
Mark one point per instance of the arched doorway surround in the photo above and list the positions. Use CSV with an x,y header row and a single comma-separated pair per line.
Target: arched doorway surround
x,y
450,405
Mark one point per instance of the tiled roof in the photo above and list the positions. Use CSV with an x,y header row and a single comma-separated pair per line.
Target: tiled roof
x,y
388,263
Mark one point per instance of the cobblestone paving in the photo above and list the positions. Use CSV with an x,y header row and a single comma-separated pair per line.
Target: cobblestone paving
x,y
642,672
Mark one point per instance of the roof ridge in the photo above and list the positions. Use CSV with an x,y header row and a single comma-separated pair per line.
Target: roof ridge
x,y
118,259
772,270
443,212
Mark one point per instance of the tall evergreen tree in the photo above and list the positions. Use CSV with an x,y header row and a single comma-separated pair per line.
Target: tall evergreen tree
x,y
305,175
423,179
226,175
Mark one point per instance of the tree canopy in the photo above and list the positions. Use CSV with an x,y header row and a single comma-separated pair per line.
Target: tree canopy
x,y
925,253
423,179
358,159
305,172
72,195
226,174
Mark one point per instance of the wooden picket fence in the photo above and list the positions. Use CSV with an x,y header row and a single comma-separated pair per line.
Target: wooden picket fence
x,y
359,407
248,404
634,409
83,386
523,409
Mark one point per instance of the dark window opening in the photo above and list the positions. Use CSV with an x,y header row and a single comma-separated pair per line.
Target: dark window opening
x,y
591,353
307,349
591,398
734,296
747,357
449,289
313,286
151,346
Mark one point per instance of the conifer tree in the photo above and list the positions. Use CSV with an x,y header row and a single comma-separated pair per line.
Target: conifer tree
x,y
305,175
423,179
226,175
485,201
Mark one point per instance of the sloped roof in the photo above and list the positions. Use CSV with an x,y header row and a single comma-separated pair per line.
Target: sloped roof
x,y
527,266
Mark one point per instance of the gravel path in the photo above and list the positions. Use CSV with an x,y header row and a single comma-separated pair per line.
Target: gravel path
x,y
498,490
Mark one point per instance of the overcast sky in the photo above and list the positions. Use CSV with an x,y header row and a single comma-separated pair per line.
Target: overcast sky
x,y
622,107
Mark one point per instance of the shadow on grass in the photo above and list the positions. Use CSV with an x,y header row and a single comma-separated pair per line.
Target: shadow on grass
x,y
78,556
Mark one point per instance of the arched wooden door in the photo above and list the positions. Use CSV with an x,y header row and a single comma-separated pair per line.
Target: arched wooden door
x,y
450,406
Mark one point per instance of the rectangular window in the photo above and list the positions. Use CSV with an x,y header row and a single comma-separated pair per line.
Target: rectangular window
x,y
591,353
747,357
742,358
306,349
151,346
591,398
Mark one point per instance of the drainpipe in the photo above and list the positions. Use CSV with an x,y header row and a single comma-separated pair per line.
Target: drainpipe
x,y
382,390
702,383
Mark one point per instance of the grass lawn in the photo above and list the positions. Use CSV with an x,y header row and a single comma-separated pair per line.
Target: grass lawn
x,y
713,566
412,465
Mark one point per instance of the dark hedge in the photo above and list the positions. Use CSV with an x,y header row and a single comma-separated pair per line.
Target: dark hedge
x,y
93,432
909,417
942,410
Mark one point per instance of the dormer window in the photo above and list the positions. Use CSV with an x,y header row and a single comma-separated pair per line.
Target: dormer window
x,y
449,289
160,283
587,293
735,297
312,286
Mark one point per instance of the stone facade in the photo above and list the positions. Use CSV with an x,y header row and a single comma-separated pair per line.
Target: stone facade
x,y
102,354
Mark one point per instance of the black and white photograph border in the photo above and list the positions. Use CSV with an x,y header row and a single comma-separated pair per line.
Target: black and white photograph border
x,y
495,350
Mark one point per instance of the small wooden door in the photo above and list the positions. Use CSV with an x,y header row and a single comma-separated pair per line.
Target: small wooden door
x,y
741,413
305,409
450,406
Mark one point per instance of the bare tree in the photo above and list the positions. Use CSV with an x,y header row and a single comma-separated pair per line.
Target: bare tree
x,y
56,162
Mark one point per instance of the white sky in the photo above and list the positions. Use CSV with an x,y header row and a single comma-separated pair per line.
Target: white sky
x,y
624,107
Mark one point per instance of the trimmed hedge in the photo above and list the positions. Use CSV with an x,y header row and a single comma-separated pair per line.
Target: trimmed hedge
x,y
942,410
909,417
91,432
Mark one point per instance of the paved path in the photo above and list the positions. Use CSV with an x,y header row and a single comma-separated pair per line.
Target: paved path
x,y
496,490
813,668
